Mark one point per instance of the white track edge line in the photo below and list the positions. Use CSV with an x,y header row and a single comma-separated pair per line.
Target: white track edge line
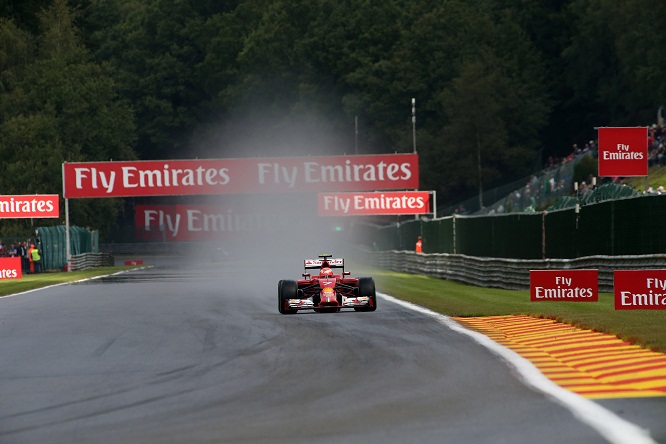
x,y
71,282
612,427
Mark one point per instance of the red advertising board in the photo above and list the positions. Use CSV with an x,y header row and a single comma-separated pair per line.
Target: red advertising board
x,y
29,206
256,175
564,285
623,152
186,222
10,268
355,204
639,289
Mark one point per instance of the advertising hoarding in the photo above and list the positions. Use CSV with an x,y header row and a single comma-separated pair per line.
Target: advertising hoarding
x,y
564,285
377,203
252,175
29,206
623,152
639,289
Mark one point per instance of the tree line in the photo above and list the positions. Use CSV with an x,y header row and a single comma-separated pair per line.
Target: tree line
x,y
499,85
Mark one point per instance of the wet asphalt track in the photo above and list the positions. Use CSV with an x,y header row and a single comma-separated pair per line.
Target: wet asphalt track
x,y
201,355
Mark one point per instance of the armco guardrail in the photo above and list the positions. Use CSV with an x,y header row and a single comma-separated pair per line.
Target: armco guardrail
x,y
91,260
510,274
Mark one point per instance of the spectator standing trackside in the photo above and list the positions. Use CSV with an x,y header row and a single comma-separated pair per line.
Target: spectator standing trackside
x,y
22,252
36,259
419,245
32,263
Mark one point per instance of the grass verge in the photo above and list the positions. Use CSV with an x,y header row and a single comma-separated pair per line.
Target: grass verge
x,y
643,327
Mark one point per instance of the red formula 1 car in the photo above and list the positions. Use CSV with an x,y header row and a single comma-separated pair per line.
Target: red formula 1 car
x,y
326,291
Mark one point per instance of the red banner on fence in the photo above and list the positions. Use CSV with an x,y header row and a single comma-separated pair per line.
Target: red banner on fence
x,y
639,289
564,285
257,175
623,152
29,206
10,268
389,203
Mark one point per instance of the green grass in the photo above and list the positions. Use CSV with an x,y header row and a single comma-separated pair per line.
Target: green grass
x,y
32,281
643,327
656,178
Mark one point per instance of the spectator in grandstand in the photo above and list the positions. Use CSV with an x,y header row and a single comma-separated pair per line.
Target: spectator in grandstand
x,y
584,189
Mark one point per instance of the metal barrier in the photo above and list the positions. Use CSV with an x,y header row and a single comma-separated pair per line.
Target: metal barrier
x,y
91,260
510,274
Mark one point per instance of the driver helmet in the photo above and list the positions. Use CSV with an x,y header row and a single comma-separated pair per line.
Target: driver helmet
x,y
325,271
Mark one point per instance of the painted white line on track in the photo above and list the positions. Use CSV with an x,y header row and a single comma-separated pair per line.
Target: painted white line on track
x,y
71,282
615,429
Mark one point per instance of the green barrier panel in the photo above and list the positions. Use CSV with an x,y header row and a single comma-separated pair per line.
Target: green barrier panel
x,y
629,226
438,236
560,234
408,234
593,232
474,235
388,238
637,225
54,245
512,235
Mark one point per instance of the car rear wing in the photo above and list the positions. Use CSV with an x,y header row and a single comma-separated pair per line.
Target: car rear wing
x,y
316,263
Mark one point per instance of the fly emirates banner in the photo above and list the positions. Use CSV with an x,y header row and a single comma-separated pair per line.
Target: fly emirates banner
x,y
251,175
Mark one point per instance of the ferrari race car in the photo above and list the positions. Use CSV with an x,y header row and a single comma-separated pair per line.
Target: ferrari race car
x,y
325,291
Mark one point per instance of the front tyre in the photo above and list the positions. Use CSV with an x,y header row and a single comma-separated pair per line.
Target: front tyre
x,y
286,290
366,287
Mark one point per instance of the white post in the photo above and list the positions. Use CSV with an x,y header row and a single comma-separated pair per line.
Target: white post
x,y
68,249
414,123
434,204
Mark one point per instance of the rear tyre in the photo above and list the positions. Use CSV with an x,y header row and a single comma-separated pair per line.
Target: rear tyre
x,y
286,290
366,287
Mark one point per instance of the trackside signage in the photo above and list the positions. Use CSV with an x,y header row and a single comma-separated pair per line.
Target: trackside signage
x,y
10,268
564,285
639,289
355,204
623,151
256,175
29,206
201,222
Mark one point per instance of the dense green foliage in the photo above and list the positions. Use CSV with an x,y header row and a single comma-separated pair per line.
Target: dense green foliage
x,y
499,84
